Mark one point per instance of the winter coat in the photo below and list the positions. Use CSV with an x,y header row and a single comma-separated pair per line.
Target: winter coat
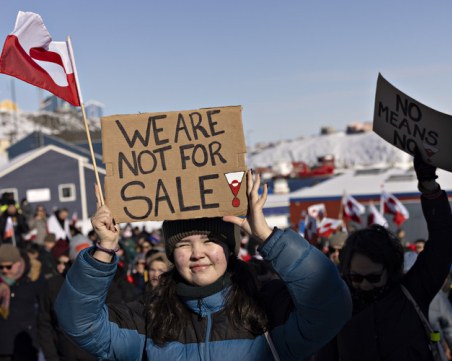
x,y
18,331
20,228
305,310
55,344
390,328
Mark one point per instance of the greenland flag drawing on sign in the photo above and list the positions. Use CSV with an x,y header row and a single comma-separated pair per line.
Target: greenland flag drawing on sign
x,y
30,54
235,181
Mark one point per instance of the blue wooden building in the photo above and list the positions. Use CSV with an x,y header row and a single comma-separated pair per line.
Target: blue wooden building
x,y
54,177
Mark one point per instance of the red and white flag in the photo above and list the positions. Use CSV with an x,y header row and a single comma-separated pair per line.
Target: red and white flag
x,y
327,226
310,230
352,209
393,206
317,210
9,229
30,55
376,217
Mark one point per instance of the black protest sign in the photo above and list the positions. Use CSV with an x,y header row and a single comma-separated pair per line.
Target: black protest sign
x,y
406,123
175,165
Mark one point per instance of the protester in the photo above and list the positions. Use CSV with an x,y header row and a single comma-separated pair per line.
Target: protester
x,y
419,245
157,264
58,224
138,273
18,306
13,225
39,224
385,324
54,343
209,289
48,261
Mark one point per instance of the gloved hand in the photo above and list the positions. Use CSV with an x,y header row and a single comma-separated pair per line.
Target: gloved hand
x,y
424,171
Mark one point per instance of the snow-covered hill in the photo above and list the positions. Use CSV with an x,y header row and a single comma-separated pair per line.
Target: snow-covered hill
x,y
350,151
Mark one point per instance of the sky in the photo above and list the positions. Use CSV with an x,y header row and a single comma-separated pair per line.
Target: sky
x,y
294,66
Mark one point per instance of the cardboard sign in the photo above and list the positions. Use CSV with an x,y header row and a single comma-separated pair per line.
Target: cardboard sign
x,y
406,123
175,165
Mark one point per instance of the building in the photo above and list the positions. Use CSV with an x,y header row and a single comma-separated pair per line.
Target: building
x,y
54,177
57,105
36,140
365,186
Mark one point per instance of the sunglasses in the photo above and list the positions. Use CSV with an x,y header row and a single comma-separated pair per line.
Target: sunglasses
x,y
371,278
6,266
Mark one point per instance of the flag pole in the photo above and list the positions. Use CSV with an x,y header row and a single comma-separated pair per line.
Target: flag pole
x,y
382,209
341,211
88,136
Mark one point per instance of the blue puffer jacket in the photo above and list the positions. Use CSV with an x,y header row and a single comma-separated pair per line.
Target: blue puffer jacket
x,y
310,308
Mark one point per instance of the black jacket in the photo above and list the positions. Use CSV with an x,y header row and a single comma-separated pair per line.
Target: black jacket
x,y
54,343
390,329
18,331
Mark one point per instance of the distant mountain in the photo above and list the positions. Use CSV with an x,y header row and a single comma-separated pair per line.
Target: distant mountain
x,y
350,151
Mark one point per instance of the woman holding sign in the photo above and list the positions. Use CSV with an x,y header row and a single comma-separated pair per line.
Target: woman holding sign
x,y
208,307
389,307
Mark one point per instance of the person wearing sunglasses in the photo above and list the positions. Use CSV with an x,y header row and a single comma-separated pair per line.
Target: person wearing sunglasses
x,y
18,305
385,324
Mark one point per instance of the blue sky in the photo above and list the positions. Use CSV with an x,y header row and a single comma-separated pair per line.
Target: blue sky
x,y
294,66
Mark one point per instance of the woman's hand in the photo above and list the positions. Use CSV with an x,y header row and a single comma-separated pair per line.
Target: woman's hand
x,y
105,228
254,223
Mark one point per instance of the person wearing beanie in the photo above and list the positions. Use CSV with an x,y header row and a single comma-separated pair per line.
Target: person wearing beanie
x,y
209,305
18,305
77,243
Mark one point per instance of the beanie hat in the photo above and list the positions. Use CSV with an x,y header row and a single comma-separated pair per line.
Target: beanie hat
x,y
9,253
226,232
76,244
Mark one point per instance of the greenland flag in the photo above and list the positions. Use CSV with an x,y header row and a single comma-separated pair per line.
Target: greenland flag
x,y
9,229
376,217
317,210
352,209
327,226
30,54
393,206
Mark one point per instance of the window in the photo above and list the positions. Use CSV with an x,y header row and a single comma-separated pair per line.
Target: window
x,y
38,195
66,192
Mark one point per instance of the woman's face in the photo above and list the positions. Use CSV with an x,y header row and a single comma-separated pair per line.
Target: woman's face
x,y
365,274
200,260
156,268
62,263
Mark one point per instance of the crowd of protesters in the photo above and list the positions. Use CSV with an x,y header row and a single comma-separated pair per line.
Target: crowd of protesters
x,y
380,268
36,251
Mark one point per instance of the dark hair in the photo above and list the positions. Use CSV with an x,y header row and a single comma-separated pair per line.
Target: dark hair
x,y
167,315
379,245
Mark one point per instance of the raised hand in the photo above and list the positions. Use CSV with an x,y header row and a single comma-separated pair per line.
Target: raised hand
x,y
104,225
424,171
255,223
